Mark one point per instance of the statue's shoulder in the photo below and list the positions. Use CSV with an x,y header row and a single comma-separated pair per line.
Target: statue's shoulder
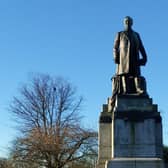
x,y
118,33
136,33
121,33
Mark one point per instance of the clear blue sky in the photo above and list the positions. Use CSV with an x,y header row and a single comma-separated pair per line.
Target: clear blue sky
x,y
73,39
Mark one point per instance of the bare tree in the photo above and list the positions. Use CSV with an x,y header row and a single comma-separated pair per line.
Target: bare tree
x,y
5,163
51,133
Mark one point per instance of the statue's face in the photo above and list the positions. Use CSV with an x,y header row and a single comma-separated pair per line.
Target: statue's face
x,y
128,23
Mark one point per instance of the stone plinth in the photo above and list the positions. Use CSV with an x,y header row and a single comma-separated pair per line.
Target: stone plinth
x,y
137,138
137,128
130,134
133,103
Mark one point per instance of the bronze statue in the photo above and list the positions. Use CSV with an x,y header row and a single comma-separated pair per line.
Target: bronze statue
x,y
126,50
127,46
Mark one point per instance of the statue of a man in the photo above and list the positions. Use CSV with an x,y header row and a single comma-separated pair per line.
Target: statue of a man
x,y
127,46
126,50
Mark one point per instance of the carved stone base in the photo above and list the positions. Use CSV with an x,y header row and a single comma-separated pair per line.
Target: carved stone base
x,y
129,133
135,137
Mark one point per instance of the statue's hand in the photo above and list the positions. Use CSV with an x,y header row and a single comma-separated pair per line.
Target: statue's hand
x,y
142,62
116,60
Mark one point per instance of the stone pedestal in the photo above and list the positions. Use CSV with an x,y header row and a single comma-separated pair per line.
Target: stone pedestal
x,y
130,134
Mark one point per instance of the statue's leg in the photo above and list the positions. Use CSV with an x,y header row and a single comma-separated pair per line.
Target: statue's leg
x,y
140,85
124,85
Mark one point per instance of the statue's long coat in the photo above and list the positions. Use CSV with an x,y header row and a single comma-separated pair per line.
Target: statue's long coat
x,y
126,53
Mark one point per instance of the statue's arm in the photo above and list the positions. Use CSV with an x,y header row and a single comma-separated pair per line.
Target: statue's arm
x,y
143,60
116,51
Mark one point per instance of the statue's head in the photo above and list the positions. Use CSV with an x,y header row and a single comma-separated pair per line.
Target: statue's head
x,y
128,22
